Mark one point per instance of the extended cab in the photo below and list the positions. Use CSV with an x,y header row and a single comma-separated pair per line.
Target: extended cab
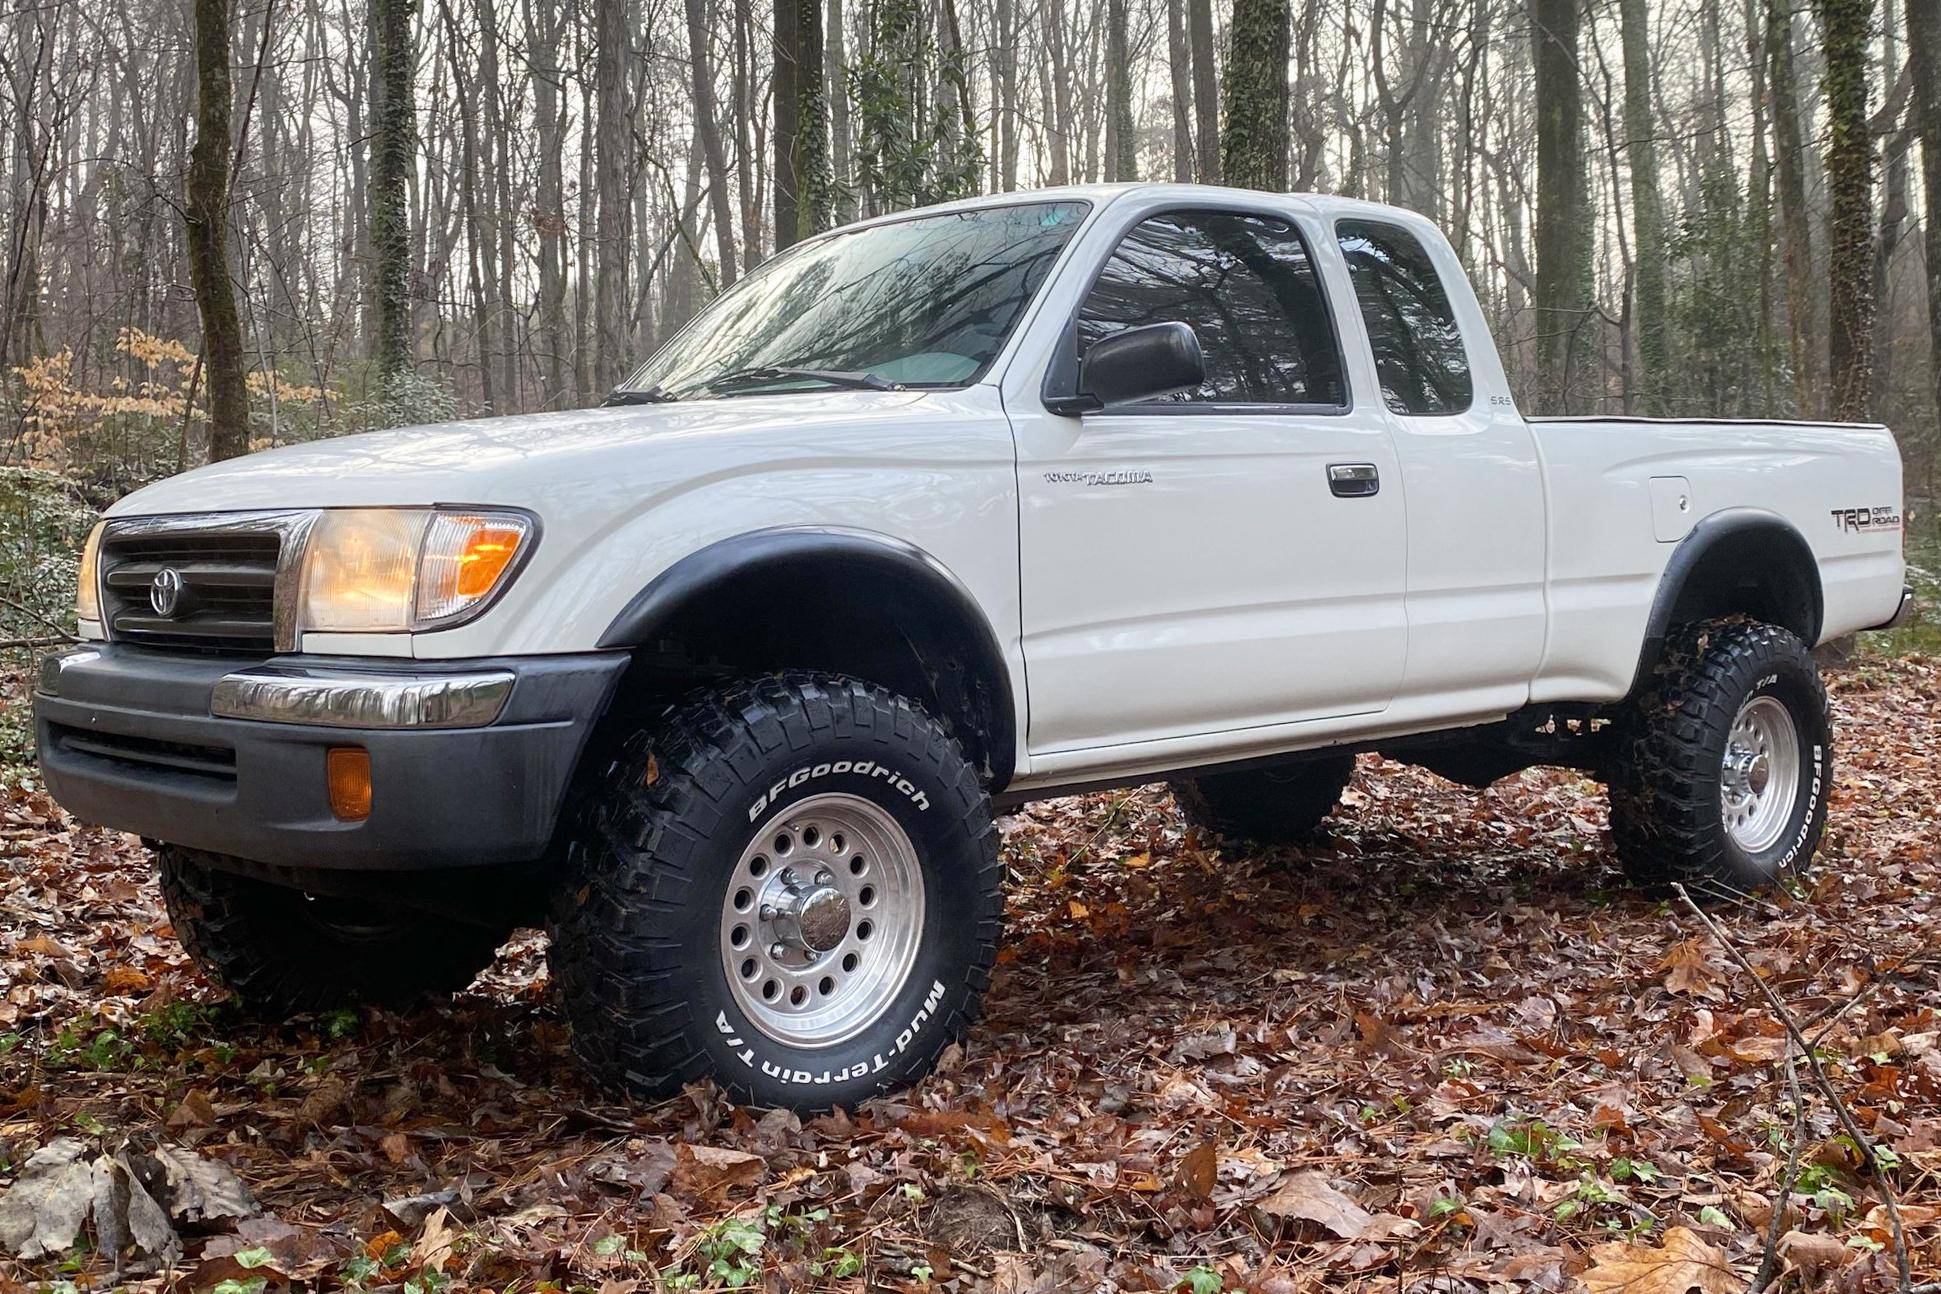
x,y
946,510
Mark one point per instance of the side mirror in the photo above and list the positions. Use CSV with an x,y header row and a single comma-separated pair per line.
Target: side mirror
x,y
1141,364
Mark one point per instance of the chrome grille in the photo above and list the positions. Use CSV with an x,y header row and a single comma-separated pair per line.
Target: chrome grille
x,y
225,574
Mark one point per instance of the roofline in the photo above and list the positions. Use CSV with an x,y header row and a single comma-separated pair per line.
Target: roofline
x,y
1101,195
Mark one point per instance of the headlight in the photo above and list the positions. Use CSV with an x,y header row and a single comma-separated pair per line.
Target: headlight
x,y
389,570
87,588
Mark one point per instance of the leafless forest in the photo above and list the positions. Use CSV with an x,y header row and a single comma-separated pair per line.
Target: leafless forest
x,y
1442,1051
389,210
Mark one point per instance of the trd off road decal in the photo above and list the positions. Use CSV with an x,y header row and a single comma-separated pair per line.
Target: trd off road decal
x,y
1881,518
876,1064
859,767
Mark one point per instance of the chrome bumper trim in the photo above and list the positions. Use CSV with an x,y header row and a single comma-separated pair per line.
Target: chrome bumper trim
x,y
344,699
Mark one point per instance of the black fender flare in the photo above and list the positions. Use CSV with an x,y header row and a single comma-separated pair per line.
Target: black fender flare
x,y
863,553
1730,525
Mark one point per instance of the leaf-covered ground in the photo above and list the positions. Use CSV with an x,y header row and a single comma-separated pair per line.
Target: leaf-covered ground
x,y
1444,1049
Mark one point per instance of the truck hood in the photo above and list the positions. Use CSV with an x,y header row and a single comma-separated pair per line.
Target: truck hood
x,y
522,459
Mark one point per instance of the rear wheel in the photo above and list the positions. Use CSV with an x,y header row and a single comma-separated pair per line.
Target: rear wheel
x,y
1726,761
1283,804
283,952
790,884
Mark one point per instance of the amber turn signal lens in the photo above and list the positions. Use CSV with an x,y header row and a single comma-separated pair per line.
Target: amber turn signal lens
x,y
467,555
347,771
487,553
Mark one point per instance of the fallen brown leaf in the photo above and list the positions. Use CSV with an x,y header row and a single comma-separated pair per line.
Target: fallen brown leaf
x,y
1684,1263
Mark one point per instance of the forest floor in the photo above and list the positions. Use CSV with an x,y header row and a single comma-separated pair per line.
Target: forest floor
x,y
1445,1048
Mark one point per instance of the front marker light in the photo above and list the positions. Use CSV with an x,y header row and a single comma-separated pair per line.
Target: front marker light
x,y
87,588
466,557
393,570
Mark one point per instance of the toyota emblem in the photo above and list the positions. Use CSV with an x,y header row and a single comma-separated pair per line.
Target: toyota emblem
x,y
165,591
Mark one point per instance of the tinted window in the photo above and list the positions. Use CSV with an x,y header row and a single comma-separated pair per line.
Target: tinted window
x,y
1419,354
1248,289
926,301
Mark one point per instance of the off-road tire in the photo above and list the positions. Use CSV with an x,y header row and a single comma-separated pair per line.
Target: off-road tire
x,y
1280,805
281,952
658,830
1667,820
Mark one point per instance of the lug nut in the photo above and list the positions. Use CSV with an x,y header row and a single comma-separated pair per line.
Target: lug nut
x,y
778,951
824,876
768,911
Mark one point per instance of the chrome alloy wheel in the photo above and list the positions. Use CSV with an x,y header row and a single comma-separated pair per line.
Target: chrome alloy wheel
x,y
822,919
1759,778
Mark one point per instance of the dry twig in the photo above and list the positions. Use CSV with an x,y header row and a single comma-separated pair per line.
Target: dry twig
x,y
1862,1142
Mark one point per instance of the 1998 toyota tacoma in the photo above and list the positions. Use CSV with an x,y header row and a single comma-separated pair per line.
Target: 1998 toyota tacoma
x,y
951,509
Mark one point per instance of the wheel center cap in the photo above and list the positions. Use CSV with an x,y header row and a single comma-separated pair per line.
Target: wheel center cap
x,y
1758,773
820,918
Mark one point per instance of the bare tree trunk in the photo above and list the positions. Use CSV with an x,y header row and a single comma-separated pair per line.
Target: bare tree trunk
x,y
613,42
747,115
498,170
1845,26
1647,207
1924,44
1004,72
27,187
1179,61
1255,147
803,188
478,242
784,93
1759,215
1563,298
1206,92
1795,239
549,215
716,157
835,65
394,145
1413,158
585,383
207,221
1893,216
1056,78
1121,145
815,198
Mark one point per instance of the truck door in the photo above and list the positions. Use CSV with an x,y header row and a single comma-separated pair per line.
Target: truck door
x,y
1228,559
1475,486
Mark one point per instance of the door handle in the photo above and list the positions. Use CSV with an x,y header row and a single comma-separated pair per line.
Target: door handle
x,y
1354,480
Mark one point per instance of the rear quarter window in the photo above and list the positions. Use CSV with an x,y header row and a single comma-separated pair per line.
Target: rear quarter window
x,y
1419,354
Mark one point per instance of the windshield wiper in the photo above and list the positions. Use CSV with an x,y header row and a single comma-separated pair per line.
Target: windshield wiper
x,y
642,395
782,372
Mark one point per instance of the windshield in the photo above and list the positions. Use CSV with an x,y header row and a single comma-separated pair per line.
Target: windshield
x,y
924,302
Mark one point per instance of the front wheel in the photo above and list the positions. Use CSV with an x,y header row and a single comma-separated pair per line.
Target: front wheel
x,y
1725,761
790,885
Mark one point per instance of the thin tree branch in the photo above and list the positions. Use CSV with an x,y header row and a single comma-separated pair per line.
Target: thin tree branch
x,y
1861,1140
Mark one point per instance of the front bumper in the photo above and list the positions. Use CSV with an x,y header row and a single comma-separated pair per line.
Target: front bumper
x,y
470,760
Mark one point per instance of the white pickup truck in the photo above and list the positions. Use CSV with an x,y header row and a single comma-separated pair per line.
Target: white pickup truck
x,y
944,511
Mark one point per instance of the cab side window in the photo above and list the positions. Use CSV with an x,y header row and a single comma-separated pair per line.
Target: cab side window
x,y
1247,287
1419,353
